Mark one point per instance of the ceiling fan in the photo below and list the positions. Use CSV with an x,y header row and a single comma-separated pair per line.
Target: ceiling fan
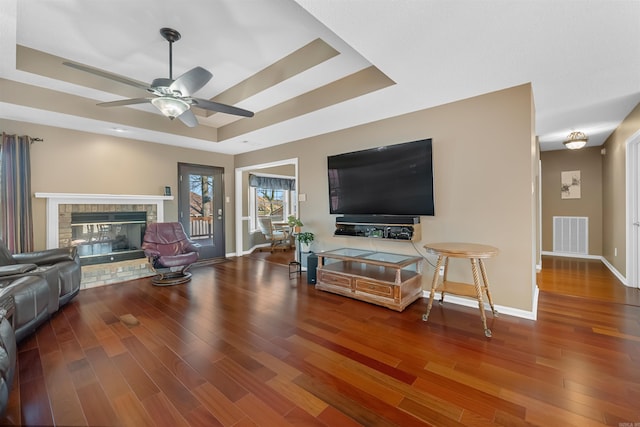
x,y
172,97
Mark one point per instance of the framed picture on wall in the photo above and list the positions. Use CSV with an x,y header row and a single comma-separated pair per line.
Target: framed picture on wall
x,y
570,185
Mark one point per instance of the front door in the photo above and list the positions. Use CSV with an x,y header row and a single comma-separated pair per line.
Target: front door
x,y
200,207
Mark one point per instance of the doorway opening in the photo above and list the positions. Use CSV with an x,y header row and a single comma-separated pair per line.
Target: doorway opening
x,y
244,215
633,210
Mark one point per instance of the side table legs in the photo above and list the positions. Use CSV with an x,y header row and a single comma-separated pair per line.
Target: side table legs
x,y
294,268
486,287
480,286
434,285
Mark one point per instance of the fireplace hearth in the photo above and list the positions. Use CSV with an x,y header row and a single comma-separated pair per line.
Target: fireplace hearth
x,y
103,237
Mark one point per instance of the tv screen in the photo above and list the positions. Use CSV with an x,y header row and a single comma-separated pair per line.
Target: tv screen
x,y
390,180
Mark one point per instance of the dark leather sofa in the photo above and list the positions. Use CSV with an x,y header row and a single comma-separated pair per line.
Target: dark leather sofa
x,y
8,352
33,286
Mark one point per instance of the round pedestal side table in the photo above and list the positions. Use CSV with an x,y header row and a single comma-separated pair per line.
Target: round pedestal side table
x,y
475,253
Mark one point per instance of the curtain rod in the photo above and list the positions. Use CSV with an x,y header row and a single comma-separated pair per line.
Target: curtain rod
x,y
37,139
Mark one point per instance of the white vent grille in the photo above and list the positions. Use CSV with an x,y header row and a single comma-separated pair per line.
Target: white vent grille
x,y
571,234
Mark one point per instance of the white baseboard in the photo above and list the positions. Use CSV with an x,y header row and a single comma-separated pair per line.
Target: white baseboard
x,y
467,302
248,251
571,255
615,272
601,258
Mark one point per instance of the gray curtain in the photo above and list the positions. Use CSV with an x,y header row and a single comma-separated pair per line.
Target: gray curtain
x,y
272,183
15,195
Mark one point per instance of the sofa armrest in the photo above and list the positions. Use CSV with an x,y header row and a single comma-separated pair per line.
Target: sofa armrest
x,y
8,353
13,269
48,256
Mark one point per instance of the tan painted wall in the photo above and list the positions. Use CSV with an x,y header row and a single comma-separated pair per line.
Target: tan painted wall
x,y
79,162
614,191
589,162
484,155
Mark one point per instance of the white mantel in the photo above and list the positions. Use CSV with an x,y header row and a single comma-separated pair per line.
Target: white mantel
x,y
54,200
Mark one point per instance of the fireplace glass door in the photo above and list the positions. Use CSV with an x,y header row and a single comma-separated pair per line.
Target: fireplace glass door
x,y
200,199
103,237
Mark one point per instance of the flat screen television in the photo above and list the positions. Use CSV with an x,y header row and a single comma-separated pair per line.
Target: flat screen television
x,y
390,180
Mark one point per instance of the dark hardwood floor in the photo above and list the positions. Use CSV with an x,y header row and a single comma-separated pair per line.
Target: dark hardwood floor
x,y
243,345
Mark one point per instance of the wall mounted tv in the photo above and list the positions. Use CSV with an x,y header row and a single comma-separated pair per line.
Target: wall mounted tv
x,y
390,180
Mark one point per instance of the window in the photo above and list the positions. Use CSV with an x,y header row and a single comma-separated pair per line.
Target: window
x,y
272,196
269,202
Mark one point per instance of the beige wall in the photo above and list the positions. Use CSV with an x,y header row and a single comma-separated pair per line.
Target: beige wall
x,y
589,162
614,191
484,159
79,162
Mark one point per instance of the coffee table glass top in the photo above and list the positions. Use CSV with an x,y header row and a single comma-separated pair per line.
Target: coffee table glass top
x,y
379,258
387,257
346,252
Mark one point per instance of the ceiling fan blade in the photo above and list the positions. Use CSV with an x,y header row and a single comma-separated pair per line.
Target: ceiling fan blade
x,y
106,75
221,108
124,102
188,118
191,81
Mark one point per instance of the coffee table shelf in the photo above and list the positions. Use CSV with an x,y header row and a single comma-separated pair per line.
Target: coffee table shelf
x,y
375,277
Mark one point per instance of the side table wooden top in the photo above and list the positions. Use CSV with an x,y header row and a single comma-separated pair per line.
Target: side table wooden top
x,y
462,250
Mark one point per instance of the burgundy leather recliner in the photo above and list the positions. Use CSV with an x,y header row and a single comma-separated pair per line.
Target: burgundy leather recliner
x,y
170,252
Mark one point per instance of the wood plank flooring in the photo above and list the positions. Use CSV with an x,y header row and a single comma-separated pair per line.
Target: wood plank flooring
x,y
243,345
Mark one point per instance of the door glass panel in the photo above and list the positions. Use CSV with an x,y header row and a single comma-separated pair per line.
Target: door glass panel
x,y
201,207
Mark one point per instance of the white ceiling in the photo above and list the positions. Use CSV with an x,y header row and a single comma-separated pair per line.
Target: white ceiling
x,y
581,56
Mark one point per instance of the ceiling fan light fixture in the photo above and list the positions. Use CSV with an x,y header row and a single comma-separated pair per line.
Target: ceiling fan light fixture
x,y
172,97
576,140
169,106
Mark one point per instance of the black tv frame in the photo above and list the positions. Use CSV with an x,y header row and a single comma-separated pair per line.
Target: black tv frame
x,y
402,172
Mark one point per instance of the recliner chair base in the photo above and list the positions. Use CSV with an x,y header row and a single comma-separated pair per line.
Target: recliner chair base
x,y
171,278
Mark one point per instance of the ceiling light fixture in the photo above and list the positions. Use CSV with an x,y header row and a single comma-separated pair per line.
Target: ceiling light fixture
x,y
169,106
576,140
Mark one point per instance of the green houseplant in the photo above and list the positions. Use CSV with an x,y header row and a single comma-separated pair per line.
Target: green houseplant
x,y
305,239
294,223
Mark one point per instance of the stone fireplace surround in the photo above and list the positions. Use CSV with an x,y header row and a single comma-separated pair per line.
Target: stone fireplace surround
x,y
58,228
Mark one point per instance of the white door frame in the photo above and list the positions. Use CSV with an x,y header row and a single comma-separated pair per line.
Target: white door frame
x,y
633,210
239,199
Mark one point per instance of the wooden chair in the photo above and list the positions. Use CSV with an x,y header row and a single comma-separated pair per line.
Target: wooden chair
x,y
277,234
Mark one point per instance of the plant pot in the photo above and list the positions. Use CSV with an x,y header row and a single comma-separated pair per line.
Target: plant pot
x,y
305,247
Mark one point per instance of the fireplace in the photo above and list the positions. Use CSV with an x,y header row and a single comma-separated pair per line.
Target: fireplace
x,y
60,207
103,237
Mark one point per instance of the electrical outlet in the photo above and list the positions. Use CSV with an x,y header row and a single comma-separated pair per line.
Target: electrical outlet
x,y
441,272
615,251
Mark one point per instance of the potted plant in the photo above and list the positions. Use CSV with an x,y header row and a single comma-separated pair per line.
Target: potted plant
x,y
305,239
294,223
